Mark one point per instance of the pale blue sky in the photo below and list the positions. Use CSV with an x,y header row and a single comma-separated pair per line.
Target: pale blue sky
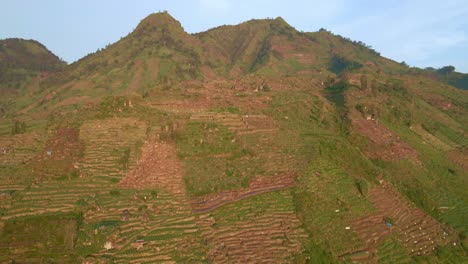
x,y
421,32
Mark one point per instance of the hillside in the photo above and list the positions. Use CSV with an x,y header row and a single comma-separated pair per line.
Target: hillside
x,y
448,75
242,144
21,59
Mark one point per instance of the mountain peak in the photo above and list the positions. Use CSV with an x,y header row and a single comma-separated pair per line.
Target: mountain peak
x,y
159,20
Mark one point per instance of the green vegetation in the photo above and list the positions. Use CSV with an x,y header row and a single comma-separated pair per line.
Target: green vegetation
x,y
21,60
326,201
324,119
50,236
339,64
19,127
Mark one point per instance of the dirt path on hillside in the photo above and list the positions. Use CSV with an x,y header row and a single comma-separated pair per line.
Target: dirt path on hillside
x,y
257,186
158,167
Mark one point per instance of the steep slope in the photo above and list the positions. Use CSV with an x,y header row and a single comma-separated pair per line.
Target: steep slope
x,y
245,143
156,53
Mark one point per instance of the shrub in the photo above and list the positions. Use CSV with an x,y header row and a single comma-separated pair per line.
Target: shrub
x,y
19,127
114,192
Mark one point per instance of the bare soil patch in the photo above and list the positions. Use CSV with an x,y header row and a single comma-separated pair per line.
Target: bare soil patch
x,y
60,154
257,186
158,167
384,144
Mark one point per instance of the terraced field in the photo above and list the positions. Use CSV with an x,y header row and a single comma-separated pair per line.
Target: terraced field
x,y
111,147
59,158
158,167
254,143
416,232
240,124
5,127
259,229
19,148
143,227
257,186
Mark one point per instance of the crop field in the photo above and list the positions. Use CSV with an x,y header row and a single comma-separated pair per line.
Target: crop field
x,y
259,229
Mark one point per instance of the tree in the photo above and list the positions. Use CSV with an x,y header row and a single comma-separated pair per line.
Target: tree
x,y
446,70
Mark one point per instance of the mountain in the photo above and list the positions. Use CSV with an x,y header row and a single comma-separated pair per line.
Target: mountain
x,y
21,59
246,143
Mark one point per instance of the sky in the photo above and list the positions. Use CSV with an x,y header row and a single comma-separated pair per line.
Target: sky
x,y
422,33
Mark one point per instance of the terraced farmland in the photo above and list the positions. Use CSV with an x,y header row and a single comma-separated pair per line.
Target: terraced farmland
x,y
418,233
110,147
19,148
257,186
249,143
143,227
259,229
240,124
158,167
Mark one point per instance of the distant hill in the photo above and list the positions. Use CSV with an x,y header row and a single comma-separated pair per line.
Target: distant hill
x,y
21,59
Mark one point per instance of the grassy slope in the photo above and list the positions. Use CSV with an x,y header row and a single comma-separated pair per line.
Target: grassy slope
x,y
314,132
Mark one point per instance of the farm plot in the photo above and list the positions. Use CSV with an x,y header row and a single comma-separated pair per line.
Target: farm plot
x,y
158,167
257,186
112,147
60,154
144,226
260,229
38,239
19,148
240,124
276,153
418,233
328,200
384,143
52,196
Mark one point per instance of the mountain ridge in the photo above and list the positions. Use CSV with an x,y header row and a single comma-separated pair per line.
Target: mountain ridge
x,y
245,143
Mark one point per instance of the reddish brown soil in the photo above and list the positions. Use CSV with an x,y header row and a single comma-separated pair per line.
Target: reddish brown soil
x,y
383,143
289,49
417,232
257,186
76,100
460,157
153,68
133,86
60,154
158,167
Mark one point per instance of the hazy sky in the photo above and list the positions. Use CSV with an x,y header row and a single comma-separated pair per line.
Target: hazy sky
x,y
421,32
